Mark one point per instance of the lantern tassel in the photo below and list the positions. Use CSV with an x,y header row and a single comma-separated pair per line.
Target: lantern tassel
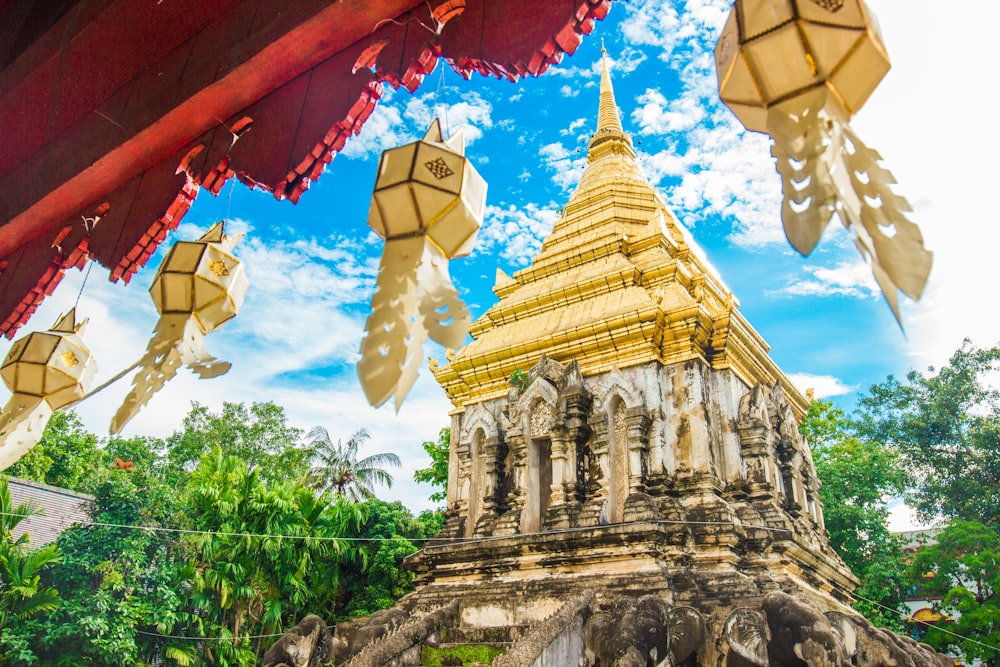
x,y
177,341
22,423
825,169
414,300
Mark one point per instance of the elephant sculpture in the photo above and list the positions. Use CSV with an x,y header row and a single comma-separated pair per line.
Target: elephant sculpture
x,y
308,644
634,633
790,632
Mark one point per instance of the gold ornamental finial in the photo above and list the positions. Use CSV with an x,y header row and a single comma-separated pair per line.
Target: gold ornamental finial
x,y
609,124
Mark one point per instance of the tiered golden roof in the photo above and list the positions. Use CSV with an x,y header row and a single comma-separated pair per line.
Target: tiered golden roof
x,y
617,283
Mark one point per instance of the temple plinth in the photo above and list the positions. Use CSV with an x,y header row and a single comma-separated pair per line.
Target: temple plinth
x,y
627,481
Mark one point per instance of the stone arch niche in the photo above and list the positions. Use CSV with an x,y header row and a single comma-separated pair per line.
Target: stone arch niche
x,y
620,446
481,469
545,431
477,481
538,467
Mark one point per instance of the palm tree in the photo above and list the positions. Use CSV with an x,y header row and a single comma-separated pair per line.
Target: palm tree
x,y
21,593
339,470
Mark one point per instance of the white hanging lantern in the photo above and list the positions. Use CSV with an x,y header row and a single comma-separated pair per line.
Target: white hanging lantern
x,y
45,371
198,288
428,204
798,70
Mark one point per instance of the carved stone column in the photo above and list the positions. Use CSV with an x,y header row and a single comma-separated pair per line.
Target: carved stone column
x,y
637,423
562,472
575,405
492,467
598,472
509,523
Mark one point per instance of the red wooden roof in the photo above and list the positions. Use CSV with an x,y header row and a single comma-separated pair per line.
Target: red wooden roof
x,y
121,110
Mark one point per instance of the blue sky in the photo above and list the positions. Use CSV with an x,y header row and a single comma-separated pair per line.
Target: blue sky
x,y
312,266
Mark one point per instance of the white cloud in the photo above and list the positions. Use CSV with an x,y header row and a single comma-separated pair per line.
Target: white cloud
x,y
658,116
574,127
851,280
567,166
473,113
517,231
711,166
672,25
824,386
383,129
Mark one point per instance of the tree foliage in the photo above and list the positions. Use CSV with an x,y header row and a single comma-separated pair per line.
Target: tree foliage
x,y
856,479
258,434
201,544
945,425
373,574
67,456
338,469
963,566
22,593
267,557
118,584
436,474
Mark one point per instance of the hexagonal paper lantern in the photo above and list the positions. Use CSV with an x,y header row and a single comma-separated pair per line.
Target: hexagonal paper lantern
x,y
428,204
45,371
771,51
199,287
201,278
798,70
429,188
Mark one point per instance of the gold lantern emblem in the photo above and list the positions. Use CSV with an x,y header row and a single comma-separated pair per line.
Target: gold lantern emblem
x,y
428,204
45,371
198,288
798,70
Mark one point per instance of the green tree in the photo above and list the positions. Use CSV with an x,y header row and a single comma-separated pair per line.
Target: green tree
x,y
372,575
963,566
338,469
67,455
22,594
258,434
268,554
945,425
117,583
856,480
436,474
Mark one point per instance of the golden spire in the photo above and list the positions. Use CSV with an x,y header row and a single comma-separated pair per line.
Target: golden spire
x,y
609,137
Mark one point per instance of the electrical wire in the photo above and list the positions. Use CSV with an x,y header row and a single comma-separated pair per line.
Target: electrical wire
x,y
925,624
457,541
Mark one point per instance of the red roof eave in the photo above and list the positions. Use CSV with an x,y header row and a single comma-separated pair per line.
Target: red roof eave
x,y
132,149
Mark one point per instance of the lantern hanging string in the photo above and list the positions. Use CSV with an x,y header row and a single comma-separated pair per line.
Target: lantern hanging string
x,y
86,274
439,102
105,385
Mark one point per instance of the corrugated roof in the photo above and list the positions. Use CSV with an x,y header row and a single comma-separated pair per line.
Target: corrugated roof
x,y
60,509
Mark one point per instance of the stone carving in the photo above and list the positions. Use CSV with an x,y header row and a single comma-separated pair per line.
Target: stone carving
x,y
634,633
525,652
352,636
540,420
308,644
799,633
746,633
686,628
409,634
792,632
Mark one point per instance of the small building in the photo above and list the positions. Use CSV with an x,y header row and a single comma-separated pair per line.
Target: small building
x,y
59,509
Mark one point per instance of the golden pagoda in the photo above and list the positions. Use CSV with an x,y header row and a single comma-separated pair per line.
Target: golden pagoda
x,y
627,484
618,283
